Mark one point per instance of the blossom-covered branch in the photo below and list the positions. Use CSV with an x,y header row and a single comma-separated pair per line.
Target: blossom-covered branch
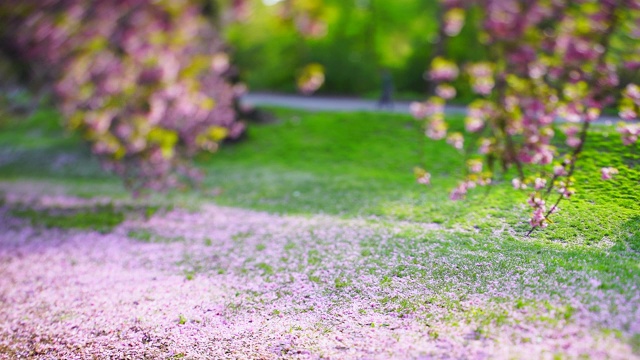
x,y
548,60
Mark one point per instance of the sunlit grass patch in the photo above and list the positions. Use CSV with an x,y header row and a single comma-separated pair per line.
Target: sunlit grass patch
x,y
360,165
351,165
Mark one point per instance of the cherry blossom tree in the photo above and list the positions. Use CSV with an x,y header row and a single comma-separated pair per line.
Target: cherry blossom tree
x,y
143,81
549,61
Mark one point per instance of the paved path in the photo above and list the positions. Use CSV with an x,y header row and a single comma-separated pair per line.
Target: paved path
x,y
325,103
342,104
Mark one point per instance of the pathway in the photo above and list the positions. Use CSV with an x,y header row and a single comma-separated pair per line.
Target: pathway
x,y
343,104
326,103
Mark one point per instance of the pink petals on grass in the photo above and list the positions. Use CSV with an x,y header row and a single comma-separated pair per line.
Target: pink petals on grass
x,y
230,283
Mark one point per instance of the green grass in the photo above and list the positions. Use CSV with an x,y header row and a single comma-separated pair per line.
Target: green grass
x,y
350,165
340,164
361,165
36,148
99,218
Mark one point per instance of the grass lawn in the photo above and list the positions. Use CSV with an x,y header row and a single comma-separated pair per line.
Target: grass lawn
x,y
379,258
361,165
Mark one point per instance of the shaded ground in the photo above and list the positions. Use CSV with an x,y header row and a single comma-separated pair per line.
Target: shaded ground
x,y
231,283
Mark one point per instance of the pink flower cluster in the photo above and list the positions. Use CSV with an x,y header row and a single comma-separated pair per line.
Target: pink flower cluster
x,y
478,113
629,132
443,70
482,80
630,105
311,78
424,179
539,218
433,111
456,140
453,21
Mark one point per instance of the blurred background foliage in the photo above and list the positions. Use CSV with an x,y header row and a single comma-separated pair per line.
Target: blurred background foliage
x,y
363,38
179,73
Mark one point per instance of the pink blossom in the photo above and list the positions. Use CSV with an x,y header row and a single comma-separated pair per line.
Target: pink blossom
x,y
310,84
633,92
437,128
608,172
418,110
559,170
446,91
220,62
538,218
473,124
421,110
573,141
424,179
542,155
484,180
485,146
592,114
436,133
518,184
535,202
566,191
483,86
537,70
456,140
628,113
459,192
540,184
475,166
443,70
481,74
479,70
629,133
453,21
571,130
